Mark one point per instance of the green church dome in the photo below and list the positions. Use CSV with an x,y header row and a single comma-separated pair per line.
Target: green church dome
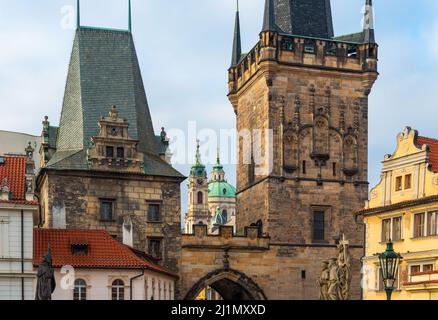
x,y
221,189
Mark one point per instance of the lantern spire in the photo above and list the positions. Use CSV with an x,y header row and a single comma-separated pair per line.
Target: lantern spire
x,y
368,23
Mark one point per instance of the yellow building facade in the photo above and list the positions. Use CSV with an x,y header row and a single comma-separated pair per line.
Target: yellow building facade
x,y
403,208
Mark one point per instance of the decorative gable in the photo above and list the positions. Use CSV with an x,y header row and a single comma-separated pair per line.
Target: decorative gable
x,y
113,148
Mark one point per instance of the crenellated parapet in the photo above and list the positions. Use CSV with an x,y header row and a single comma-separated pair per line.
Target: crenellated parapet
x,y
252,238
336,55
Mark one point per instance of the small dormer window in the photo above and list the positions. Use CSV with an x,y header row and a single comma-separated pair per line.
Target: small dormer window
x,y
110,152
79,250
2,161
120,153
224,191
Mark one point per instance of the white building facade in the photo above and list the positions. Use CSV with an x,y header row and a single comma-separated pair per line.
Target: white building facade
x,y
91,265
17,211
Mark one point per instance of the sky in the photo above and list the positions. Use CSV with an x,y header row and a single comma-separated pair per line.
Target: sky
x,y
184,49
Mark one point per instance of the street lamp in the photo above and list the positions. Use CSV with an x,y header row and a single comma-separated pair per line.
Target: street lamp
x,y
389,262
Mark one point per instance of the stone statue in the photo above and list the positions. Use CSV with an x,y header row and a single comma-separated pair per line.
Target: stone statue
x,y
335,279
333,282
344,269
46,283
323,281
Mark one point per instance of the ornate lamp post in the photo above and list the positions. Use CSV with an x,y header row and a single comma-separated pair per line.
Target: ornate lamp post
x,y
389,263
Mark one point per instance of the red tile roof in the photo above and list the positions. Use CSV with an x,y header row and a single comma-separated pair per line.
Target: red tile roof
x,y
104,252
14,170
433,156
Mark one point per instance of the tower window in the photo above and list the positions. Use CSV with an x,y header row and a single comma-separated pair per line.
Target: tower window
x,y
318,226
109,152
154,247
120,153
107,210
304,167
334,169
225,216
200,197
251,172
154,214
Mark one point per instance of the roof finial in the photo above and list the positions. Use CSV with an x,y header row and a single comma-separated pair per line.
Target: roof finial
x,y
237,43
368,23
130,16
218,157
198,153
78,14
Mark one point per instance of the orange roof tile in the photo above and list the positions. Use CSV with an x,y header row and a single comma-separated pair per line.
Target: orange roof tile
x,y
433,156
104,252
14,170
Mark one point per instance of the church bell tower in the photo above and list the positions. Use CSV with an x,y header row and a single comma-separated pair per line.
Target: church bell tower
x,y
198,195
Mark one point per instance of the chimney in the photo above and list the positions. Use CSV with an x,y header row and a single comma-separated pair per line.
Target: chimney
x,y
4,190
128,232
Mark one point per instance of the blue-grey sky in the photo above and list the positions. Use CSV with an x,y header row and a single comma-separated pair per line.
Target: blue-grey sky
x,y
184,49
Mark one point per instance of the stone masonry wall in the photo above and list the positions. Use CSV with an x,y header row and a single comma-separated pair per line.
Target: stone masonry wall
x,y
283,272
80,197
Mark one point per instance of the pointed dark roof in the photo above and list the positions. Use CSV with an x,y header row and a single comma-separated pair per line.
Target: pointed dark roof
x,y
104,71
312,18
237,42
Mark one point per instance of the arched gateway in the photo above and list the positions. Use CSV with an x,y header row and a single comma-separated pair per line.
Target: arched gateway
x,y
250,266
230,284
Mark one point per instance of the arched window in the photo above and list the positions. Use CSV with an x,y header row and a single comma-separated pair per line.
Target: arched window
x,y
200,197
118,290
80,290
224,216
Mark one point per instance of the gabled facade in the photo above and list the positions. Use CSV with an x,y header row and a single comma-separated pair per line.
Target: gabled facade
x,y
17,211
403,208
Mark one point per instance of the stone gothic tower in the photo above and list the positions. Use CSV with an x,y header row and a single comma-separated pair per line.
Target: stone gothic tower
x,y
308,91
198,195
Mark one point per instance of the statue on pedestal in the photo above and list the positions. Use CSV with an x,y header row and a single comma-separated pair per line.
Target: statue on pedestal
x,y
46,283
